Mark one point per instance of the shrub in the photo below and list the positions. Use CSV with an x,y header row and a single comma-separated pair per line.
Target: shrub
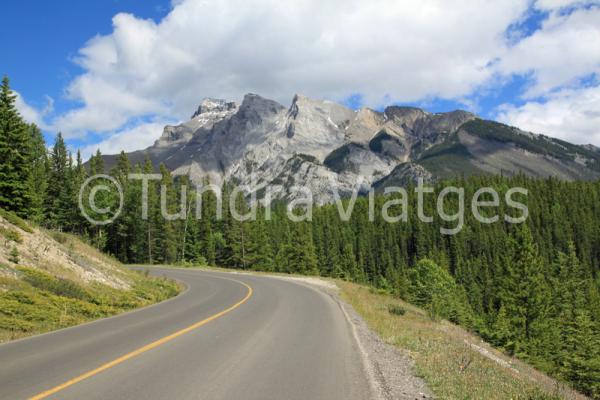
x,y
13,257
15,220
58,286
11,235
15,324
433,288
395,309
59,237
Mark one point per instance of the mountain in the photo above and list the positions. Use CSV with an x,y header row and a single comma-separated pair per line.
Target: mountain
x,y
317,144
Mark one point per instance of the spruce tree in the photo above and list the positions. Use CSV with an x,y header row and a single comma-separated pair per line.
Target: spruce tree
x,y
60,199
525,292
37,183
166,238
15,155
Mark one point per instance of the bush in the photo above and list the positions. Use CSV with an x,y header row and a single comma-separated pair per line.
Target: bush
x,y
429,280
11,235
15,324
59,237
58,286
433,288
15,220
13,257
395,309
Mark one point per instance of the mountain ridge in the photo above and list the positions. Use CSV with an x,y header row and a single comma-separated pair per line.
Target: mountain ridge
x,y
319,143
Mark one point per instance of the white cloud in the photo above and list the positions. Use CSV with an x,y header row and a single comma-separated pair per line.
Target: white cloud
x,y
386,50
556,5
33,114
557,59
572,115
139,137
564,50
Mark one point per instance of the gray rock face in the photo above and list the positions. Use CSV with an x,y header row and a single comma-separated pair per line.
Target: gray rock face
x,y
214,107
321,145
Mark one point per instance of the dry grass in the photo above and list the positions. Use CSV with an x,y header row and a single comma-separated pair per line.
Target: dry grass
x,y
454,363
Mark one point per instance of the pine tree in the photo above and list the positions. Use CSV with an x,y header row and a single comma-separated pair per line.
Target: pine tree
x,y
259,255
120,234
79,175
525,292
15,155
153,218
303,258
37,183
581,359
60,199
166,238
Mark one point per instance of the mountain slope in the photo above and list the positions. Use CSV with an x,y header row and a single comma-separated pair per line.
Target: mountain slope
x,y
320,143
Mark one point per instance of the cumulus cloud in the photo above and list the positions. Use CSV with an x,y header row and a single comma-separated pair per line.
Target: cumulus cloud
x,y
33,114
562,60
557,5
138,137
564,50
572,115
386,50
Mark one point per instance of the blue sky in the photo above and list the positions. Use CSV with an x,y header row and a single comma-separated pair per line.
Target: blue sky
x,y
47,36
111,73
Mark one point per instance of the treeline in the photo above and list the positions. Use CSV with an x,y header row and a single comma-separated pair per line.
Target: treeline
x,y
531,289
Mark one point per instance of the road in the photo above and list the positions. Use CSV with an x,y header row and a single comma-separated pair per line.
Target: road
x,y
228,336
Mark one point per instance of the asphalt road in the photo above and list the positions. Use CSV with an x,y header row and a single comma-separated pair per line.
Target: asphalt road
x,y
228,336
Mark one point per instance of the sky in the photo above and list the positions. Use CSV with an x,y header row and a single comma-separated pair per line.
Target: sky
x,y
110,74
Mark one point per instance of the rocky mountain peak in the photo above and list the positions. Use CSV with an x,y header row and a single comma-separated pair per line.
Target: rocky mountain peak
x,y
260,104
365,125
211,105
404,115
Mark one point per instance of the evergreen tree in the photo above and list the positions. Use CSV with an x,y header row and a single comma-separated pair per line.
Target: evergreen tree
x,y
166,238
15,155
581,360
60,198
525,293
37,183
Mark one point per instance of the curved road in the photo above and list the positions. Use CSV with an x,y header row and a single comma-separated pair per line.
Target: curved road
x,y
228,336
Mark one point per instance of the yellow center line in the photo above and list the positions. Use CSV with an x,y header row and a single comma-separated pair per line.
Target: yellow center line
x,y
145,348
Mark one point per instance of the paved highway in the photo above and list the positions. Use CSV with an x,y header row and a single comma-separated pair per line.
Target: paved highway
x,y
228,336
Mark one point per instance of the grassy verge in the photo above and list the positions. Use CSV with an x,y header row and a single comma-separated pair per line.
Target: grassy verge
x,y
36,302
453,363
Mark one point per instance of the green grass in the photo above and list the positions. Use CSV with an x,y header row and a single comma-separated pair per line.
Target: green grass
x,y
15,220
11,235
451,367
39,302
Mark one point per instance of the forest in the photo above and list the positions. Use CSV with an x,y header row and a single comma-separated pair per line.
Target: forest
x,y
531,289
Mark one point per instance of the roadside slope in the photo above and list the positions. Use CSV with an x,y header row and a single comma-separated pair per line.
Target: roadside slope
x,y
454,363
51,280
